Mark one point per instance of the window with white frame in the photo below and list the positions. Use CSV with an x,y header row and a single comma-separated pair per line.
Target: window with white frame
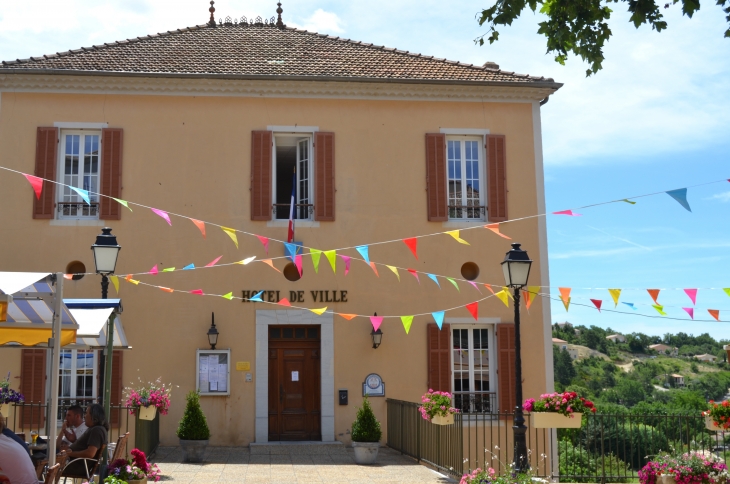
x,y
473,368
293,176
77,376
466,177
79,166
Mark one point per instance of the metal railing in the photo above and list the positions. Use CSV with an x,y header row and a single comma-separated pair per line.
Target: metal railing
x,y
606,448
475,402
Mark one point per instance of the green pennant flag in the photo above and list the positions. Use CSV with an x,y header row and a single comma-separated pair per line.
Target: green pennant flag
x,y
660,309
169,269
316,254
454,283
407,320
228,296
332,257
727,290
123,202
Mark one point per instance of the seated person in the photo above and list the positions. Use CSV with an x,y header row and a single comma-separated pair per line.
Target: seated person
x,y
9,433
88,445
15,464
73,426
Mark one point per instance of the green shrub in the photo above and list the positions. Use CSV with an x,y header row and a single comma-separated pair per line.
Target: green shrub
x,y
193,425
579,465
366,427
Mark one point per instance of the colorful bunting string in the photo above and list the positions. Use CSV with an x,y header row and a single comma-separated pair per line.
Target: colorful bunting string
x,y
36,183
615,295
200,225
654,293
412,244
163,214
455,235
692,294
407,321
495,228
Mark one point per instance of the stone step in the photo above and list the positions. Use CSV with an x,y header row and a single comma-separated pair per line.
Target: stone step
x,y
297,448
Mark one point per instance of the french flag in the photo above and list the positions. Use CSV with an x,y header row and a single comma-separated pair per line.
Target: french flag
x,y
290,235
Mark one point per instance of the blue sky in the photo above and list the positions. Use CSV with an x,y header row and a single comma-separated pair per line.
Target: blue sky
x,y
654,119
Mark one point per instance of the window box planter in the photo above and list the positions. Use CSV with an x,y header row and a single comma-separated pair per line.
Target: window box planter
x,y
443,420
666,479
147,413
710,425
546,420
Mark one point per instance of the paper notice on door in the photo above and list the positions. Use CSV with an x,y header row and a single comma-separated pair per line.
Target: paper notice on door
x,y
214,386
222,378
294,376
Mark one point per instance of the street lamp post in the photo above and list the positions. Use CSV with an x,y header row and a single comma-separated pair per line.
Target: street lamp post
x,y
516,268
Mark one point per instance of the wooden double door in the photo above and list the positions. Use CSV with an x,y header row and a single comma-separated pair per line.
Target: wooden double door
x,y
294,383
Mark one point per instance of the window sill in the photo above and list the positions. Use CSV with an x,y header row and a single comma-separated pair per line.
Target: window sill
x,y
78,223
297,223
462,224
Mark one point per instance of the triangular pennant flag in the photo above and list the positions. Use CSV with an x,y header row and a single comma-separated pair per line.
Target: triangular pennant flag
x,y
347,316
412,244
291,249
298,263
503,296
530,295
564,293
415,274
228,296
265,243
115,282
284,302
395,271
455,235
690,311
189,267
128,277
375,268
84,194
495,228
162,214
569,213
631,305
727,290
489,286
122,202
213,262
473,308
456,285
68,276
133,282
628,201
166,289
715,313
270,263
331,256
654,293
659,308
257,297
246,261
201,226
434,279
407,321
376,321
319,311
315,254
363,250
566,303
473,284
597,303
154,270
615,294
36,183
692,294
506,289
347,260
199,292
169,269
680,196
232,234
438,316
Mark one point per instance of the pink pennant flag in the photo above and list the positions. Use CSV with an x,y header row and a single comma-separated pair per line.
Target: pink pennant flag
x,y
199,292
376,321
690,311
347,262
412,244
375,268
473,309
475,286
415,274
284,302
154,270
265,242
569,213
163,214
298,263
597,303
214,262
692,293
36,183
200,225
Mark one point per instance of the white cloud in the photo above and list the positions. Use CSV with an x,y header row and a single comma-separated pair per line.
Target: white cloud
x,y
723,197
321,22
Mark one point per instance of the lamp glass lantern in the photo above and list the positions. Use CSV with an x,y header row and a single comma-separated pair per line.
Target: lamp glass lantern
x,y
212,333
106,250
516,267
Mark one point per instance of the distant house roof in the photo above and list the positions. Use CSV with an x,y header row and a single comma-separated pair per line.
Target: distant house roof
x,y
559,341
660,346
263,50
706,356
616,336
677,376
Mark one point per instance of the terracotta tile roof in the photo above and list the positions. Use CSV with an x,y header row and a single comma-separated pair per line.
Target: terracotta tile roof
x,y
262,50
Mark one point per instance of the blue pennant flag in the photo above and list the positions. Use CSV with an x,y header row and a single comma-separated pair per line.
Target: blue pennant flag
x,y
188,267
83,194
681,197
434,279
363,249
439,317
257,297
631,305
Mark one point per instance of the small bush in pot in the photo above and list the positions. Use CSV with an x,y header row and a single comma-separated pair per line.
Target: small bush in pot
x,y
193,429
366,434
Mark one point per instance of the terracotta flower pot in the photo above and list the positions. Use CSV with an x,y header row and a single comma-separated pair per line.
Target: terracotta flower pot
x,y
137,481
441,420
547,420
147,413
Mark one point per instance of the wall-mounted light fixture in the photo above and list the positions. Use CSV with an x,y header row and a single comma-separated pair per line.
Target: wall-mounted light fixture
x,y
212,332
377,336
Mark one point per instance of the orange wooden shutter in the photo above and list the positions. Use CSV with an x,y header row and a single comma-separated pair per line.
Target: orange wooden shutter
x,y
46,159
33,386
506,366
497,178
324,176
436,177
261,143
111,173
439,361
116,396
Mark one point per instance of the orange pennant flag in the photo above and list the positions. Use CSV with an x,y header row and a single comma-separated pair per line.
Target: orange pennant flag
x,y
200,225
654,293
68,276
489,287
564,293
166,289
495,228
715,313
375,269
128,278
284,302
269,262
347,316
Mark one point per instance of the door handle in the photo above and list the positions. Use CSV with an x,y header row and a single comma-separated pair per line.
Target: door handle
x,y
281,393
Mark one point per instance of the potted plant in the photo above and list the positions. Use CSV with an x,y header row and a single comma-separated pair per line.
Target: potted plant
x,y
436,408
558,410
134,470
146,400
695,467
365,434
718,416
8,396
193,429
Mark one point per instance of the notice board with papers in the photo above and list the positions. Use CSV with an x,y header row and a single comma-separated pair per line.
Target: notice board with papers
x,y
213,371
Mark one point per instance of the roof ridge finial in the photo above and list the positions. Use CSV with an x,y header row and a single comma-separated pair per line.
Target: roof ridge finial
x,y
211,22
279,11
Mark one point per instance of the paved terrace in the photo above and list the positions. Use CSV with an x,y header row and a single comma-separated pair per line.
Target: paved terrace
x,y
292,464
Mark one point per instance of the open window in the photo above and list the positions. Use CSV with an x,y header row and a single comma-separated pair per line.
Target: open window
x,y
293,176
